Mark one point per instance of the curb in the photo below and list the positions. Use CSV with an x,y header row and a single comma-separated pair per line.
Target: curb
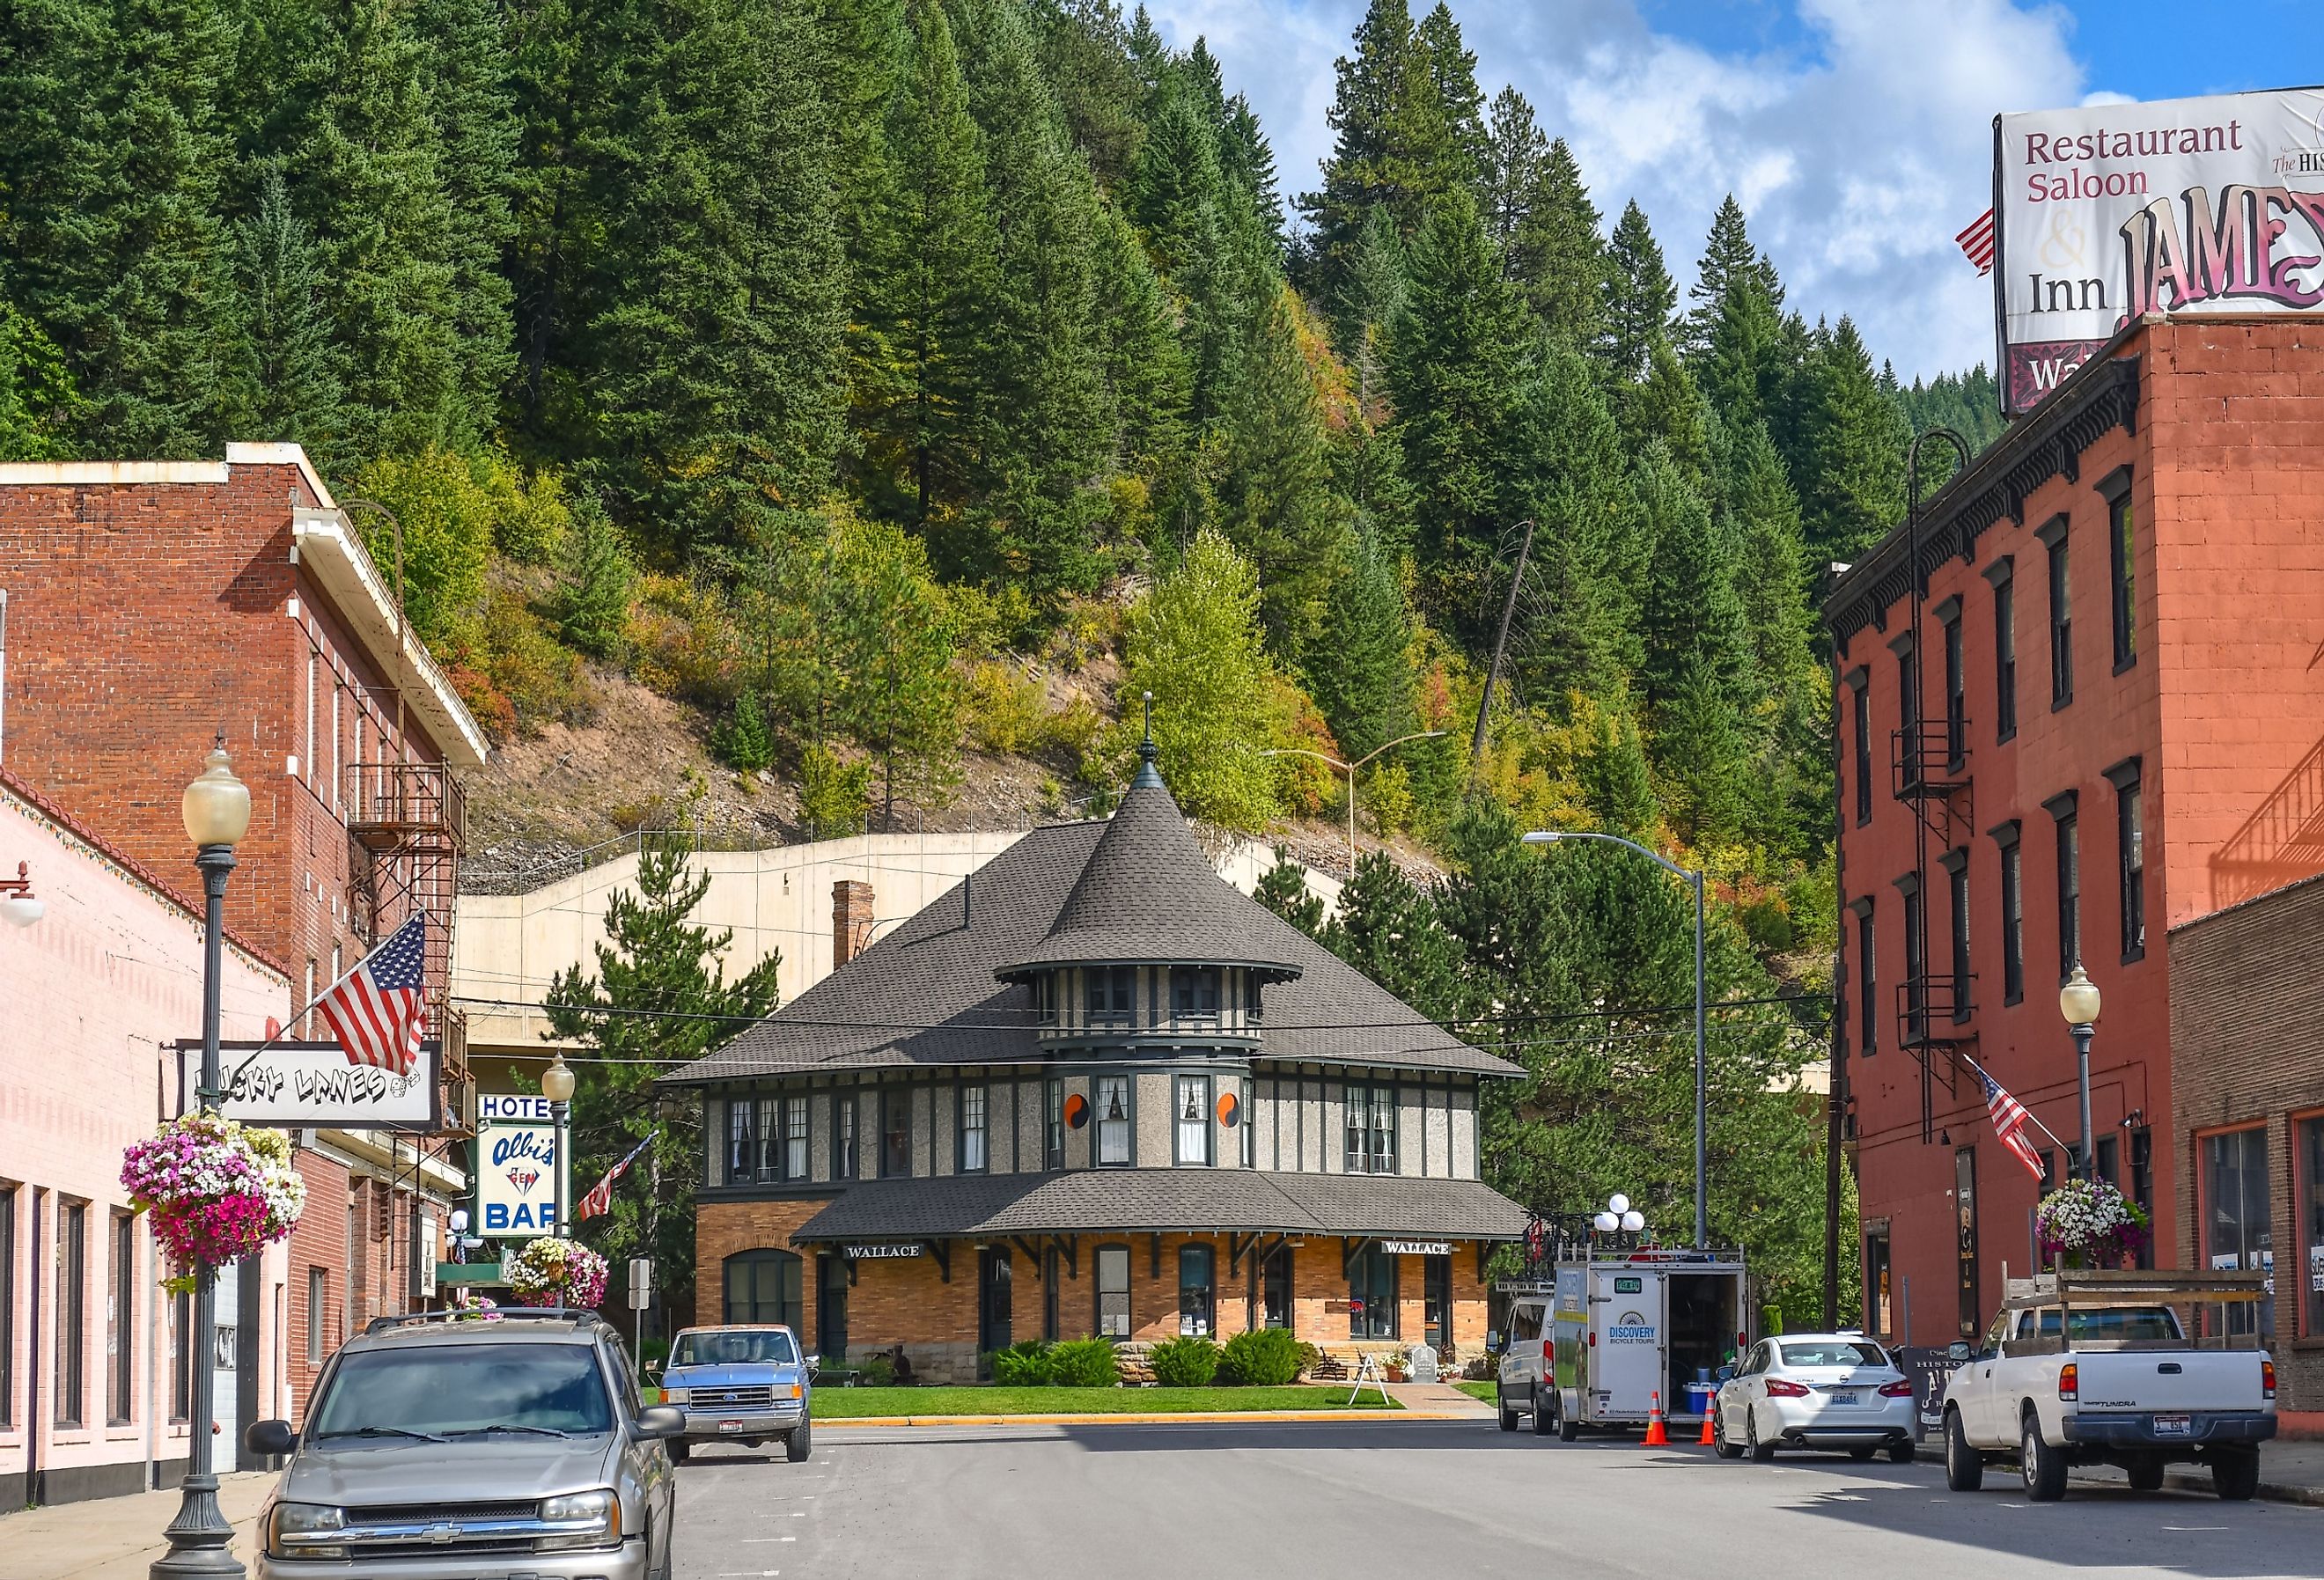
x,y
1150,1419
2268,1493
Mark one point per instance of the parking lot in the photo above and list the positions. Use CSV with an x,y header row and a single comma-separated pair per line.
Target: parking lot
x,y
1438,1499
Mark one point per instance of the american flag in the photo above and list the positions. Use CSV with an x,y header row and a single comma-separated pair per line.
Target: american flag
x,y
2009,1117
1975,243
600,1199
377,1011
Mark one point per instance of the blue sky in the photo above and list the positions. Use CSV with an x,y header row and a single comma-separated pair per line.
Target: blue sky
x,y
1856,132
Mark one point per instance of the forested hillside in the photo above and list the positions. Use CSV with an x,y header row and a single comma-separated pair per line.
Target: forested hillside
x,y
845,369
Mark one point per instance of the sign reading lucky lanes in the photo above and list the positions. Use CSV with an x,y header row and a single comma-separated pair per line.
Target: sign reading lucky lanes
x,y
311,1084
881,1253
1417,1247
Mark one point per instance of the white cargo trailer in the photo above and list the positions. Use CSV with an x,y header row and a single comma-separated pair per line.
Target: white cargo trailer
x,y
1595,1342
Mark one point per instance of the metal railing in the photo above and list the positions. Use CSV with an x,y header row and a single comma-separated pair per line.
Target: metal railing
x,y
1928,758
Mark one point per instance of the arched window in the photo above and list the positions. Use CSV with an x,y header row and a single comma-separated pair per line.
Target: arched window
x,y
763,1285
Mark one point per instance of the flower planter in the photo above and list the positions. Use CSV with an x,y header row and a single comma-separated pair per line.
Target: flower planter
x,y
214,1191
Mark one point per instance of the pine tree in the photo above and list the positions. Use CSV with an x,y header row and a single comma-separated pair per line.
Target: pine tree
x,y
1248,163
657,999
1729,258
1146,372
1743,368
38,403
1515,148
1283,889
1453,74
464,75
1086,54
1390,929
898,695
1668,407
1694,624
1563,271
1639,296
1372,83
1195,643
1772,575
288,381
1361,671
593,597
1273,481
1856,442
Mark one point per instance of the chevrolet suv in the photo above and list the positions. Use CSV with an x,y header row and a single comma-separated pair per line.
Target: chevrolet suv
x,y
438,1447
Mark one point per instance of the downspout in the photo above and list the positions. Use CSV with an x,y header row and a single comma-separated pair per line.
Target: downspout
x,y
34,1365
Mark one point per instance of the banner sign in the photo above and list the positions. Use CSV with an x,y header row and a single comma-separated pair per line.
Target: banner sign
x,y
1417,1247
2182,205
881,1253
516,1184
296,1085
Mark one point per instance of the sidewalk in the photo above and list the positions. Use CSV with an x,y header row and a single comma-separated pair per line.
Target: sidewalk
x,y
2291,1471
118,1539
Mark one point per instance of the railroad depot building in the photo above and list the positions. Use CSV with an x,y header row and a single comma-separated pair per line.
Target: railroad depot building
x,y
1095,1090
2094,722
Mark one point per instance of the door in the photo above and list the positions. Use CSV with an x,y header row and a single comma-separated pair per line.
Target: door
x,y
1626,1314
992,1300
1521,1365
1971,1389
831,1309
1437,1303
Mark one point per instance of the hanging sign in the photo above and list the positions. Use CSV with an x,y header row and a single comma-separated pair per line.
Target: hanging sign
x,y
311,1084
516,1157
1417,1247
883,1253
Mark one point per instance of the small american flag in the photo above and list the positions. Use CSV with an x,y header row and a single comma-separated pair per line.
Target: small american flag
x,y
2009,1117
1975,243
600,1199
378,1010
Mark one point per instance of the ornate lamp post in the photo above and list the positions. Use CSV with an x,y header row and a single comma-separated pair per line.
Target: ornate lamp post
x,y
556,1085
2077,1001
1702,1076
216,812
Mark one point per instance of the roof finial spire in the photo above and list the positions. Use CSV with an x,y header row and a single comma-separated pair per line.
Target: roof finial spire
x,y
1147,774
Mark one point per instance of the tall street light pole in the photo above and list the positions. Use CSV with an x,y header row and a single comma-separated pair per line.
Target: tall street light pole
x,y
215,808
1702,1067
2077,1001
1349,770
556,1085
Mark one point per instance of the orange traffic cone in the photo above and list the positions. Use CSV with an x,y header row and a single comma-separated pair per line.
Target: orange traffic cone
x,y
1656,1436
1707,1440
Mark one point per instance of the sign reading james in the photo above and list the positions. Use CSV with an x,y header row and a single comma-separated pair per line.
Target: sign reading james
x,y
302,1083
516,1150
1417,1247
2109,212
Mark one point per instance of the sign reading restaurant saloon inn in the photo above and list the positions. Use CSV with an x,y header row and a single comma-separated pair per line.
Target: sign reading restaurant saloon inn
x,y
1095,1091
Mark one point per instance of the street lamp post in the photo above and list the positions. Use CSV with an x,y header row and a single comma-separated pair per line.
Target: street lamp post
x,y
2077,1001
1702,1067
215,809
1349,770
556,1085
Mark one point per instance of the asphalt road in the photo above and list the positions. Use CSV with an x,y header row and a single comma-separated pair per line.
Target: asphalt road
x,y
1417,1498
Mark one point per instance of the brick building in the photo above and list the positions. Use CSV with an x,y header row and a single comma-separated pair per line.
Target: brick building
x,y
2090,721
1049,1105
150,605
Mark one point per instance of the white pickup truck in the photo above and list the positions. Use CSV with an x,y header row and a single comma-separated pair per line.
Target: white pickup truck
x,y
2094,1368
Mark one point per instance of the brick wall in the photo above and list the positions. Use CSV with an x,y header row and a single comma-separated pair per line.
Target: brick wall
x,y
2247,1049
319,1241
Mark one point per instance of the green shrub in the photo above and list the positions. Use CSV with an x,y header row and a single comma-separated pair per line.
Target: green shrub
x,y
876,1371
1084,1362
1006,710
593,595
1023,1365
1185,1361
1310,1357
834,795
742,739
1266,1357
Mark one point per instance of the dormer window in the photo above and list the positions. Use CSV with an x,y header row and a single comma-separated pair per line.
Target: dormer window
x,y
1193,989
1044,999
1112,994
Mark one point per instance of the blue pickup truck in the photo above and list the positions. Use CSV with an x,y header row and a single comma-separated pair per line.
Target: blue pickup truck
x,y
740,1384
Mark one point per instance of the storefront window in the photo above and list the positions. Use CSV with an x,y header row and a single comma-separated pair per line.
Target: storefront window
x,y
1193,1128
1113,1122
2311,1139
1371,1295
1113,1291
2235,1217
1195,1291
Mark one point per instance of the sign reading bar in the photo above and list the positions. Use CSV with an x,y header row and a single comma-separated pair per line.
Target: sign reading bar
x,y
516,1191
2182,205
1417,1247
293,1085
880,1252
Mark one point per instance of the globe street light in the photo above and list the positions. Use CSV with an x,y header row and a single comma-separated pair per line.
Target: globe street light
x,y
1349,770
1702,1076
21,907
215,808
2077,1001
556,1085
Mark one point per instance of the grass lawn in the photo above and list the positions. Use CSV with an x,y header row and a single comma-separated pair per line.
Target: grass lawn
x,y
840,1403
1483,1390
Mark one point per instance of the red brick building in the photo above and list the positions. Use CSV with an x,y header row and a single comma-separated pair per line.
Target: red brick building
x,y
150,605
2090,728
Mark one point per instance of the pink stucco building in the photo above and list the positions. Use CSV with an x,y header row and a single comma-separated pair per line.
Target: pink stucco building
x,y
96,995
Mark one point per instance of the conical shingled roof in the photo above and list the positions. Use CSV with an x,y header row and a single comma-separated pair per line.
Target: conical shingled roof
x,y
1148,896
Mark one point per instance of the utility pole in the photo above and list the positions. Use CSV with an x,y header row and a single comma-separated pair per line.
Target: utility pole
x,y
1500,643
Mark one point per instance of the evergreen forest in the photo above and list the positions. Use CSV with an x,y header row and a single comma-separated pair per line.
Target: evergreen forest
x,y
838,366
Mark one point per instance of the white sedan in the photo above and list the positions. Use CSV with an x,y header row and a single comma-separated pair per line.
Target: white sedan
x,y
1814,1391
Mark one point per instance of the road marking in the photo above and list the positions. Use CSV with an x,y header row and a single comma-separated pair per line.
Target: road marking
x,y
754,1541
2195,1527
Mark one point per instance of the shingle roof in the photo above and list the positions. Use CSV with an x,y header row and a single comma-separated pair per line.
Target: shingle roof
x,y
1148,894
1121,1200
925,995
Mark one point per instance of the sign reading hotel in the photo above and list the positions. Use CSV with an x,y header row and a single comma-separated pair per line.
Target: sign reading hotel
x,y
516,1157
293,1085
2183,206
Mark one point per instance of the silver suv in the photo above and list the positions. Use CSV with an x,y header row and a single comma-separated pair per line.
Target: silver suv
x,y
437,1447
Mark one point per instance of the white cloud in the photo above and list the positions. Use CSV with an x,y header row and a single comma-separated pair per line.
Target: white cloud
x,y
1856,161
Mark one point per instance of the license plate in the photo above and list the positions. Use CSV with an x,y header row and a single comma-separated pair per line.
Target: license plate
x,y
2174,1425
730,1426
1847,1396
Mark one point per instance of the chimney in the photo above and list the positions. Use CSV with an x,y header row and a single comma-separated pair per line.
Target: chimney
x,y
851,920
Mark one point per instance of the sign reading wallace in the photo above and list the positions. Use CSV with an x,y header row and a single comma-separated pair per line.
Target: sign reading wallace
x,y
290,1084
2111,211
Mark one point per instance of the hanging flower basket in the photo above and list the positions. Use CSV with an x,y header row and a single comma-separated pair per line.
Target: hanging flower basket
x,y
215,1189
2089,1223
549,1272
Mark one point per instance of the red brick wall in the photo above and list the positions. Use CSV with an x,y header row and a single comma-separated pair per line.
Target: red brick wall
x,y
319,1241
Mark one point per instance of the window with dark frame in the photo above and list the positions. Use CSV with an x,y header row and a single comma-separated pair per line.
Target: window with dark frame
x,y
763,1287
1110,994
1193,989
2308,1218
1868,977
975,1154
1372,1294
2141,1184
2122,568
318,1303
796,1152
1053,1122
2069,895
2130,865
2061,618
1861,709
1113,1122
1275,1288
1957,886
1113,1291
846,1115
770,1126
1370,1129
1247,1123
1193,1128
2005,649
1908,685
741,1148
2236,1233
1955,692
72,1313
1198,1291
1437,1301
1916,955
895,1133
1878,1291
120,1322
2013,917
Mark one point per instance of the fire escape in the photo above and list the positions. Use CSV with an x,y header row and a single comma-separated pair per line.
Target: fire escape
x,y
408,833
